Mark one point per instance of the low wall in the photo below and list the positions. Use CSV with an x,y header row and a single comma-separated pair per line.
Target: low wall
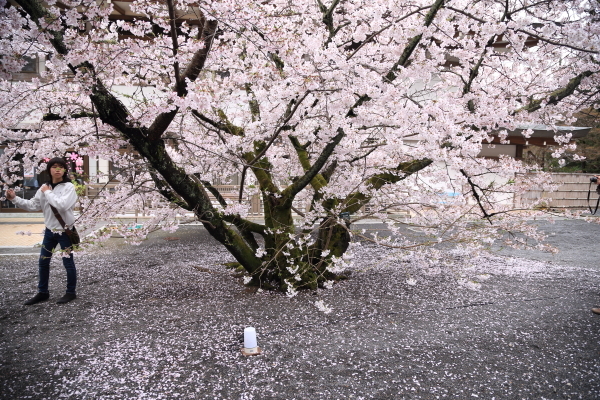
x,y
572,192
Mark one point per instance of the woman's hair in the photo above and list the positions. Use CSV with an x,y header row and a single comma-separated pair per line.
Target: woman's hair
x,y
62,163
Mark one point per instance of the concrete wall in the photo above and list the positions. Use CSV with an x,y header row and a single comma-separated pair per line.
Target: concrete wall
x,y
572,192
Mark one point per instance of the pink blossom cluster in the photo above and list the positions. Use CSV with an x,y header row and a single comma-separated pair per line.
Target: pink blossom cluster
x,y
304,71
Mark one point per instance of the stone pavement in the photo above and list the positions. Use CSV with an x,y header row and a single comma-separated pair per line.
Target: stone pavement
x,y
165,321
30,223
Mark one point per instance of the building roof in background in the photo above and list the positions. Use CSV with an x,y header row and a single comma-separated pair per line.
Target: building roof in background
x,y
544,131
543,135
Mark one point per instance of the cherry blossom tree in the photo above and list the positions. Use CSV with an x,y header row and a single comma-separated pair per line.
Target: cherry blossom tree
x,y
324,109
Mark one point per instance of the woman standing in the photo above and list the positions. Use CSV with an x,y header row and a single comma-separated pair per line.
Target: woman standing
x,y
60,193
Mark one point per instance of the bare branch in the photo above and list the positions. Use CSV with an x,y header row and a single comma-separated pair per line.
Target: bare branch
x,y
375,34
477,197
553,42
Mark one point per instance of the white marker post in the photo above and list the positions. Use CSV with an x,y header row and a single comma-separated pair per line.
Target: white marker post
x,y
250,345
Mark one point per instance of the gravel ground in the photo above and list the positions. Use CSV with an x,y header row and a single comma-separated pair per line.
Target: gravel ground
x,y
165,321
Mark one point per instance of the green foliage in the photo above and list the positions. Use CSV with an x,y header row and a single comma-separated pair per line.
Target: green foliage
x,y
589,146
79,188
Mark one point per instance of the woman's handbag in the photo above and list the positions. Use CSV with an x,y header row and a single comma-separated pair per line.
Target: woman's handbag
x,y
71,233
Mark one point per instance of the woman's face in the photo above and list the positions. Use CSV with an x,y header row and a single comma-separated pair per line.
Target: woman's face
x,y
57,171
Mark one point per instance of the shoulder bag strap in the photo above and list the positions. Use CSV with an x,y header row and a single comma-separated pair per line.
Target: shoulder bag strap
x,y
58,217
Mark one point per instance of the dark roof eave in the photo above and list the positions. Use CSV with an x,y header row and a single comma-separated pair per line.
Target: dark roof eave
x,y
543,131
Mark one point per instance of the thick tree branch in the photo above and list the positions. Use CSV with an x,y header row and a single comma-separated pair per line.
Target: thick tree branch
x,y
319,181
209,29
404,57
474,72
249,225
39,14
328,19
303,181
253,103
179,86
329,170
162,122
261,170
375,34
110,109
412,43
357,200
246,229
289,113
215,192
406,169
56,117
228,125
192,193
165,190
214,124
557,95
244,226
